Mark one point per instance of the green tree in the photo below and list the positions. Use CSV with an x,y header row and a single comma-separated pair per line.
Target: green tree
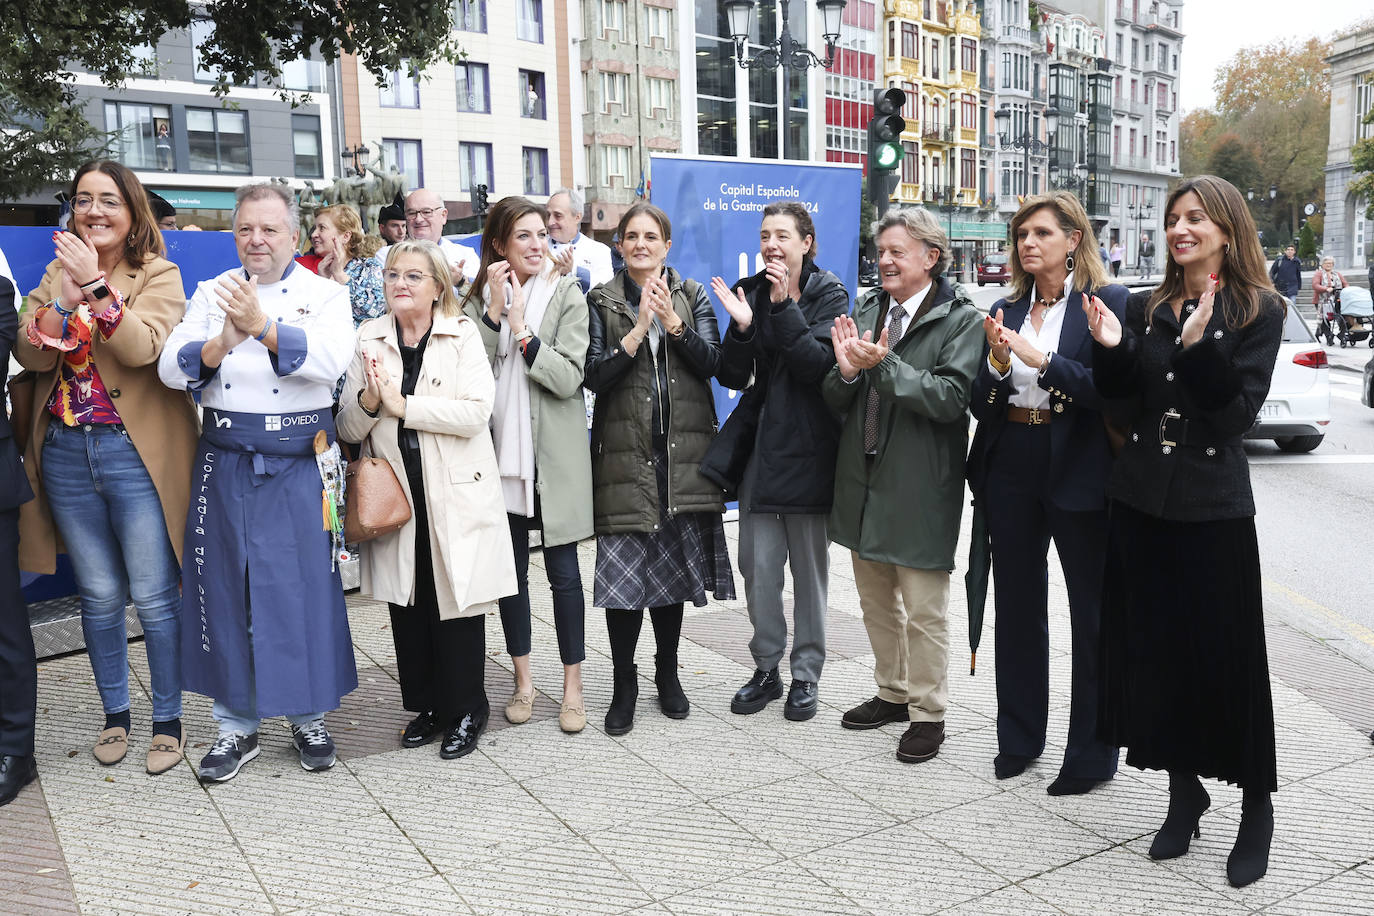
x,y
1232,158
43,135
1362,166
1307,242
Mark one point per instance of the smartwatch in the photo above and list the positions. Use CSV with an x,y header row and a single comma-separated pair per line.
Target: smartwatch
x,y
97,290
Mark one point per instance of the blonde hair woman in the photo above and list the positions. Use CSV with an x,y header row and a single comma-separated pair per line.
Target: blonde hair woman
x,y
346,256
419,396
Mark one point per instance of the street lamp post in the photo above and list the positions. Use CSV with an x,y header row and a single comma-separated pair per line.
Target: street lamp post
x,y
1026,142
1139,214
356,153
784,52
1273,193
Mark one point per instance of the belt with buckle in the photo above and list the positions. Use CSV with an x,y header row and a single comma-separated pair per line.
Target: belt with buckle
x,y
1031,416
1176,429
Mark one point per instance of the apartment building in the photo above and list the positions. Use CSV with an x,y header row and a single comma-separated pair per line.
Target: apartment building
x,y
1348,235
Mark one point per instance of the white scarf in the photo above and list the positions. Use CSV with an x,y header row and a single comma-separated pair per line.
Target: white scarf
x,y
511,426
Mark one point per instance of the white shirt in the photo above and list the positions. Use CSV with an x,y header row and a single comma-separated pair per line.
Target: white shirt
x,y
590,256
452,250
315,342
1025,386
909,308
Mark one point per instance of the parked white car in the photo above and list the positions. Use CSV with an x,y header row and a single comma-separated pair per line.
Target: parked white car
x,y
1298,409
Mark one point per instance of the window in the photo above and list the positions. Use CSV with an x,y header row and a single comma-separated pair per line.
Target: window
x,y
536,170
303,75
532,94
969,107
405,155
137,131
911,161
615,90
474,89
1006,69
613,16
474,166
1162,96
968,168
910,46
1120,49
145,60
615,163
401,89
202,30
305,144
529,20
933,59
469,15
218,140
658,25
1364,103
969,51
1135,53
658,96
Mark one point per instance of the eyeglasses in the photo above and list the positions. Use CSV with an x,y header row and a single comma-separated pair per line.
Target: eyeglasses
x,y
426,213
412,277
83,202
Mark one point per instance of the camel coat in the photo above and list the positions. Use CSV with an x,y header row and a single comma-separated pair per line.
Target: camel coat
x,y
161,423
469,538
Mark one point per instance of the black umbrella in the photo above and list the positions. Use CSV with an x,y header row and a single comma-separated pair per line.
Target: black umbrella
x,y
976,580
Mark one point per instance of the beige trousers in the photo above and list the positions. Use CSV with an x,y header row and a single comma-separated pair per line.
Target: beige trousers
x,y
905,611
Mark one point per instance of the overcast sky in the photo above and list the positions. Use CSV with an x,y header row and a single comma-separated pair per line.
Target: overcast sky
x,y
1214,30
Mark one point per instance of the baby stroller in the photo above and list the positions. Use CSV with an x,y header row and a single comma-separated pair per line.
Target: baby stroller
x,y
1348,318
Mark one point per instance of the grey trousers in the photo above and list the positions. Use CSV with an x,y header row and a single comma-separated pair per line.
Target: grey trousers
x,y
768,542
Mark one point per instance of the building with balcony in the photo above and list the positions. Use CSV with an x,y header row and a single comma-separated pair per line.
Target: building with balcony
x,y
1015,63
850,82
195,149
1348,236
500,117
630,59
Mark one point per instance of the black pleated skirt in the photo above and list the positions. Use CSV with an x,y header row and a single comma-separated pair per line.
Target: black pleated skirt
x,y
1185,674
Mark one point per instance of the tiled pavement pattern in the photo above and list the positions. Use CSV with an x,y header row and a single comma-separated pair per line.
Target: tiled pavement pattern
x,y
712,814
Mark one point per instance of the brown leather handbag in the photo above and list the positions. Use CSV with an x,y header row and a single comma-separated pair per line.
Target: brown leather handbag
x,y
21,389
374,502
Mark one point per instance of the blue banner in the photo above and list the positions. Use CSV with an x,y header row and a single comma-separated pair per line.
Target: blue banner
x,y
716,205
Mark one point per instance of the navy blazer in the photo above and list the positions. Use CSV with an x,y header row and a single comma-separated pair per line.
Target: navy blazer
x,y
1080,455
14,486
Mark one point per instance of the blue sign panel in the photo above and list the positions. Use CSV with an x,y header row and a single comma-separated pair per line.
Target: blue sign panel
x,y
716,205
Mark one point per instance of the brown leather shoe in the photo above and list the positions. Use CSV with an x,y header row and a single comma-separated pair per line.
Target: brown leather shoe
x,y
921,742
164,753
111,746
520,707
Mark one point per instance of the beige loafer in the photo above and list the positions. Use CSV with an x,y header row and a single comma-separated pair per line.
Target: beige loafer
x,y
520,707
165,753
572,719
111,746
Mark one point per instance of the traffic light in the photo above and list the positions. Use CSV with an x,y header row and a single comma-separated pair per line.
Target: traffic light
x,y
885,145
478,198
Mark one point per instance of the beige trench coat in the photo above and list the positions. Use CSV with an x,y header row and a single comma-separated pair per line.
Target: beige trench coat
x,y
469,538
162,423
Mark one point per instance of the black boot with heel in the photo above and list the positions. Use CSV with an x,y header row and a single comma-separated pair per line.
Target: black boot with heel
x,y
1187,800
1249,859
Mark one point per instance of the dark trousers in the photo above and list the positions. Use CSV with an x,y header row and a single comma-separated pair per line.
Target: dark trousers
x,y
18,669
565,580
1021,521
623,626
440,662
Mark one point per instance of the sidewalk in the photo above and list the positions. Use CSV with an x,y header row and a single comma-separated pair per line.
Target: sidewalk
x,y
712,814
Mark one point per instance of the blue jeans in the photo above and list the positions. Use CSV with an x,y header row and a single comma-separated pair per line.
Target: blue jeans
x,y
109,515
245,722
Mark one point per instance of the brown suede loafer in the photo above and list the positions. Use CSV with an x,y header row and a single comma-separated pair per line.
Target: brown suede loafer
x,y
921,742
165,753
111,746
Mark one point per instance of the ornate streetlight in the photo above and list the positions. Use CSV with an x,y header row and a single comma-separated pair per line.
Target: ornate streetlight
x,y
1027,142
784,52
357,154
1139,214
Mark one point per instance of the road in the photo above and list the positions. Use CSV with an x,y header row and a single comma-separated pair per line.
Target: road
x,y
1315,517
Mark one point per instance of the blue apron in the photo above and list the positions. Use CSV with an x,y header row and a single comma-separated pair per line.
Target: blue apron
x,y
261,604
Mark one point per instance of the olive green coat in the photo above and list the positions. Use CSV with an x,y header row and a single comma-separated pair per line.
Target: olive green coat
x,y
904,506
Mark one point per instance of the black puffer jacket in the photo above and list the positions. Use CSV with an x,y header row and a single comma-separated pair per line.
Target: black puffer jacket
x,y
781,417
650,403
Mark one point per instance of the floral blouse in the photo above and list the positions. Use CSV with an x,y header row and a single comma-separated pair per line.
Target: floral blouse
x,y
365,288
80,396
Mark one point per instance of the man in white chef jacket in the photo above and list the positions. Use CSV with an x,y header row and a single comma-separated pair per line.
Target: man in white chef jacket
x,y
573,252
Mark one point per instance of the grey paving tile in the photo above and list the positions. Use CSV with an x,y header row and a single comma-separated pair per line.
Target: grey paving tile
x,y
901,870
1121,810
1010,836
1349,892
720,765
1006,901
907,792
681,850
1120,881
426,895
608,793
1350,783
777,890
540,748
569,877
803,813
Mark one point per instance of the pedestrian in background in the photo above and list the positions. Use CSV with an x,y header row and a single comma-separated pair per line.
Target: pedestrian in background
x,y
1038,468
1286,274
418,395
1185,677
1146,256
659,537
1117,254
534,326
346,257
904,367
777,450
110,451
267,629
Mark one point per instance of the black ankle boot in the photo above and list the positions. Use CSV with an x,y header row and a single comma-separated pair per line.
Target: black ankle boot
x,y
1187,800
1249,858
671,699
620,718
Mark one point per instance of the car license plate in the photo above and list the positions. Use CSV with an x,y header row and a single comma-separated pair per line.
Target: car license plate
x,y
1271,410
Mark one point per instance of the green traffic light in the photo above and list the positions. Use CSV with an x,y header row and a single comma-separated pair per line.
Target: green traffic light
x,y
888,155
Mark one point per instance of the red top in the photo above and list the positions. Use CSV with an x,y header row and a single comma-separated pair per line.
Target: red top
x,y
310,261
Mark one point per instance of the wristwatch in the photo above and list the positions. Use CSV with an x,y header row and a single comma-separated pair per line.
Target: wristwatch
x,y
97,290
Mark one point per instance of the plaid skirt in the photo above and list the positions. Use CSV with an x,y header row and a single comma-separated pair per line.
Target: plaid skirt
x,y
681,561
